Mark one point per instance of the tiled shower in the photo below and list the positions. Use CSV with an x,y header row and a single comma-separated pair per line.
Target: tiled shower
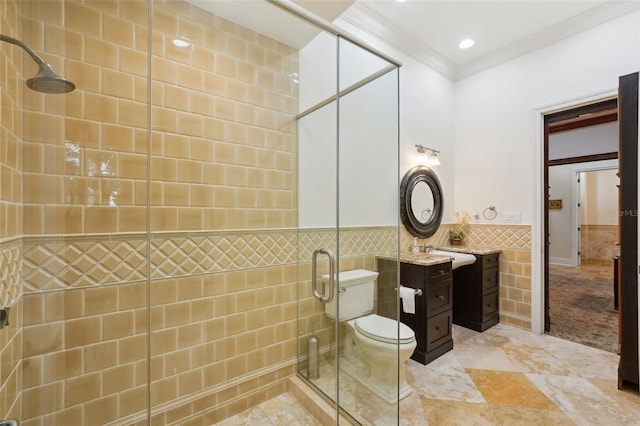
x,y
147,239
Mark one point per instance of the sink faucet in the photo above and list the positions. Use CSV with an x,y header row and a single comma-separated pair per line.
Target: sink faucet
x,y
417,248
426,249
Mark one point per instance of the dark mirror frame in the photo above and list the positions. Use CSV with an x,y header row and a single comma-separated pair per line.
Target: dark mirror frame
x,y
409,181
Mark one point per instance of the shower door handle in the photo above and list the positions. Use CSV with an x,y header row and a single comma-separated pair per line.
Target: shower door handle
x,y
324,298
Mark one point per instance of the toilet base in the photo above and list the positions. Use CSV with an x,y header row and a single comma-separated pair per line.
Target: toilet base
x,y
387,392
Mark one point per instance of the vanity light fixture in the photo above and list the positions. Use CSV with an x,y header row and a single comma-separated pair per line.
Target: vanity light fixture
x,y
429,158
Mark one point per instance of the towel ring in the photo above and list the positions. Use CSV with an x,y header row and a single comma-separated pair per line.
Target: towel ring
x,y
492,213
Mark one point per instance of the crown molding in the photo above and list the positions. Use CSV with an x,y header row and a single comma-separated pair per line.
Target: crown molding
x,y
365,19
558,32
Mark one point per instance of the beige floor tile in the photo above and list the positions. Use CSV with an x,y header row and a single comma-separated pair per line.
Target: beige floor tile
x,y
518,378
509,388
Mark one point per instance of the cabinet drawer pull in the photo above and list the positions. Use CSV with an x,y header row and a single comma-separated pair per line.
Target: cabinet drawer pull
x,y
437,328
440,297
442,271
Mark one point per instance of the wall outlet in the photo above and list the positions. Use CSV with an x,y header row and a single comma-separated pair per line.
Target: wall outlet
x,y
512,217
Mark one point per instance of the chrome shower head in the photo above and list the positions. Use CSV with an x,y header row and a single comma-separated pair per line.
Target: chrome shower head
x,y
46,81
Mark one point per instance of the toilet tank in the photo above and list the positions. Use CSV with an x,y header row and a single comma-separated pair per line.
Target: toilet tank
x,y
356,297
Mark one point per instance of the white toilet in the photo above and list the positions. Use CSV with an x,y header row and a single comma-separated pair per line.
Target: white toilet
x,y
371,341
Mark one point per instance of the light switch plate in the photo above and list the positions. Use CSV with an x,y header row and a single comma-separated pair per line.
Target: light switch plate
x,y
512,217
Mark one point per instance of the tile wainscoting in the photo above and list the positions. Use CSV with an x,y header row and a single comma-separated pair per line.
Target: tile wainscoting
x,y
515,264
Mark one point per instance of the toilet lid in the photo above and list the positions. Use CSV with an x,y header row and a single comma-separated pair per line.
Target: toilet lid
x,y
384,329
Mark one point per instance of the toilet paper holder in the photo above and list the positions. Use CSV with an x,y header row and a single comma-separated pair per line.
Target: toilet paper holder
x,y
416,291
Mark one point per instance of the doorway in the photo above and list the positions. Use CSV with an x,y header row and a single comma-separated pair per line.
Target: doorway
x,y
583,242
577,141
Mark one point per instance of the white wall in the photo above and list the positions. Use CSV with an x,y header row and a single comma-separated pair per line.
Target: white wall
x,y
495,125
599,139
365,122
561,245
599,198
426,102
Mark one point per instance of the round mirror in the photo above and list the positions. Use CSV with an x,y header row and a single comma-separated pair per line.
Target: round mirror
x,y
421,202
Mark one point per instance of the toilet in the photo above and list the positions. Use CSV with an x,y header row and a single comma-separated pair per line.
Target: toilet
x,y
371,341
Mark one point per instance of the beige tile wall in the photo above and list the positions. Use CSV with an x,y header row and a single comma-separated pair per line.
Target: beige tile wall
x,y
223,144
515,264
599,242
85,356
85,163
11,83
221,159
85,179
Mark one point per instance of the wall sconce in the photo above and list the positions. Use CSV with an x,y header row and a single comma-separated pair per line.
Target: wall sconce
x,y
428,156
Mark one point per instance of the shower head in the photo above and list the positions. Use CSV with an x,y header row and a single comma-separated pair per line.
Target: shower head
x,y
46,81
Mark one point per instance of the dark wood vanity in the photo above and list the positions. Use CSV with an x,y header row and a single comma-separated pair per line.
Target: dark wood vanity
x,y
476,301
467,296
433,316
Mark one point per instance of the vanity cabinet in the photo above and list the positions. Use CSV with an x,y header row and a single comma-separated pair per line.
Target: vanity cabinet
x,y
433,318
475,293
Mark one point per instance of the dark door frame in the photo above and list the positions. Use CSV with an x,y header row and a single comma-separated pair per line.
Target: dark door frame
x,y
628,225
561,121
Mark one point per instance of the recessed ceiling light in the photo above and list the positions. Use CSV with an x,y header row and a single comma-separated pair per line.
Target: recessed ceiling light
x,y
401,1
180,42
466,43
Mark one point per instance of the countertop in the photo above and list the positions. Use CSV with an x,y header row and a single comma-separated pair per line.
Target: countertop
x,y
428,259
470,249
423,259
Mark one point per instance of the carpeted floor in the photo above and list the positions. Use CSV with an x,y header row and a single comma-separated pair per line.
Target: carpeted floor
x,y
582,311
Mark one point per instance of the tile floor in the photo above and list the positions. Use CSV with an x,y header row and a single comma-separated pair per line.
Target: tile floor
x,y
590,269
582,304
504,376
282,410
508,376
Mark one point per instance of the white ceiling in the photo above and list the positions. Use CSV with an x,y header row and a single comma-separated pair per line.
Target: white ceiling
x,y
430,30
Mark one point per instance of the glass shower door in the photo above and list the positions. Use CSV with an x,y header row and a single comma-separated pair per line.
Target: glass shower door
x,y
348,192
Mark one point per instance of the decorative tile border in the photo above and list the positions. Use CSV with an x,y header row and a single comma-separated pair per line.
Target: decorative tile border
x,y
89,260
498,236
10,273
501,236
205,253
354,241
83,261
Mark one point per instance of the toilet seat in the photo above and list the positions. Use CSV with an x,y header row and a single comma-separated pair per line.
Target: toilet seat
x,y
384,329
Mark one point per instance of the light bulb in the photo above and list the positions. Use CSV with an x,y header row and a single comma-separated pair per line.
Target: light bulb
x,y
422,158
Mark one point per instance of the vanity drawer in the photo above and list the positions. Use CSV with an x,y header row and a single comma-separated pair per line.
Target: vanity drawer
x,y
489,305
439,297
438,330
490,260
489,280
439,272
